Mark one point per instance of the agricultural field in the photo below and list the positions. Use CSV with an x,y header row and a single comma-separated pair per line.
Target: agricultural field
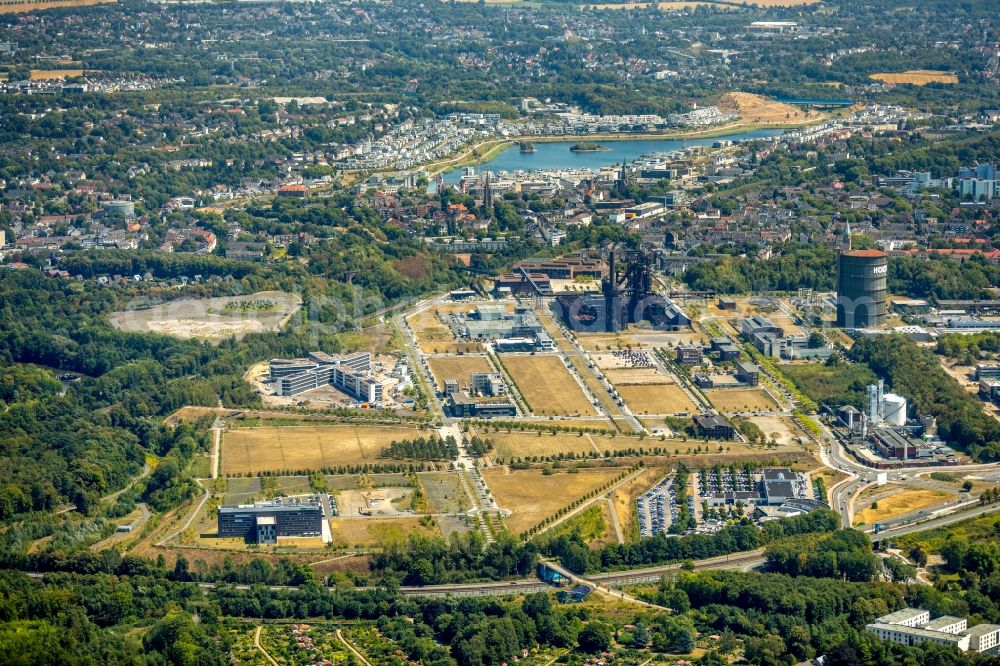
x,y
55,74
916,77
457,367
740,400
294,448
533,496
896,504
211,319
378,532
662,6
547,386
656,399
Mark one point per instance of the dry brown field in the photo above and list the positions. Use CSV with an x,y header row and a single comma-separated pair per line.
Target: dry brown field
x,y
525,444
52,74
547,385
740,400
533,496
656,399
662,6
253,450
760,110
916,77
782,429
368,532
897,504
21,7
457,367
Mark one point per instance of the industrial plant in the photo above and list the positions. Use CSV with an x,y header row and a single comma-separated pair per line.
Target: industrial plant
x,y
883,436
626,297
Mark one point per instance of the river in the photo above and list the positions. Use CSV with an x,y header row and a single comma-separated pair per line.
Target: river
x,y
557,154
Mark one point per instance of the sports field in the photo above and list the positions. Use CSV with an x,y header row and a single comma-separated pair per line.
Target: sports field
x,y
740,400
533,496
547,385
457,367
253,450
656,399
916,77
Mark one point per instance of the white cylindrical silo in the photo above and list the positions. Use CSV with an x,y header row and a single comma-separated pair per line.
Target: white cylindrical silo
x,y
894,409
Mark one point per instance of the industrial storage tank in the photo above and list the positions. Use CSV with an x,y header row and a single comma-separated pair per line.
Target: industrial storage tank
x,y
862,283
118,208
894,409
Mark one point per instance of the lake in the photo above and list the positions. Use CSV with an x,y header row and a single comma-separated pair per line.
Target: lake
x,y
557,154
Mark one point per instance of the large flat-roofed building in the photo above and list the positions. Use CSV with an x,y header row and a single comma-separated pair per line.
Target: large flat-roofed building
x,y
714,426
912,626
494,323
461,404
350,374
906,635
566,268
264,522
895,444
984,637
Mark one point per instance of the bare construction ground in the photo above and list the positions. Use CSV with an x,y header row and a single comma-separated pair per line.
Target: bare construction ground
x,y
375,503
779,429
547,386
212,319
294,448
